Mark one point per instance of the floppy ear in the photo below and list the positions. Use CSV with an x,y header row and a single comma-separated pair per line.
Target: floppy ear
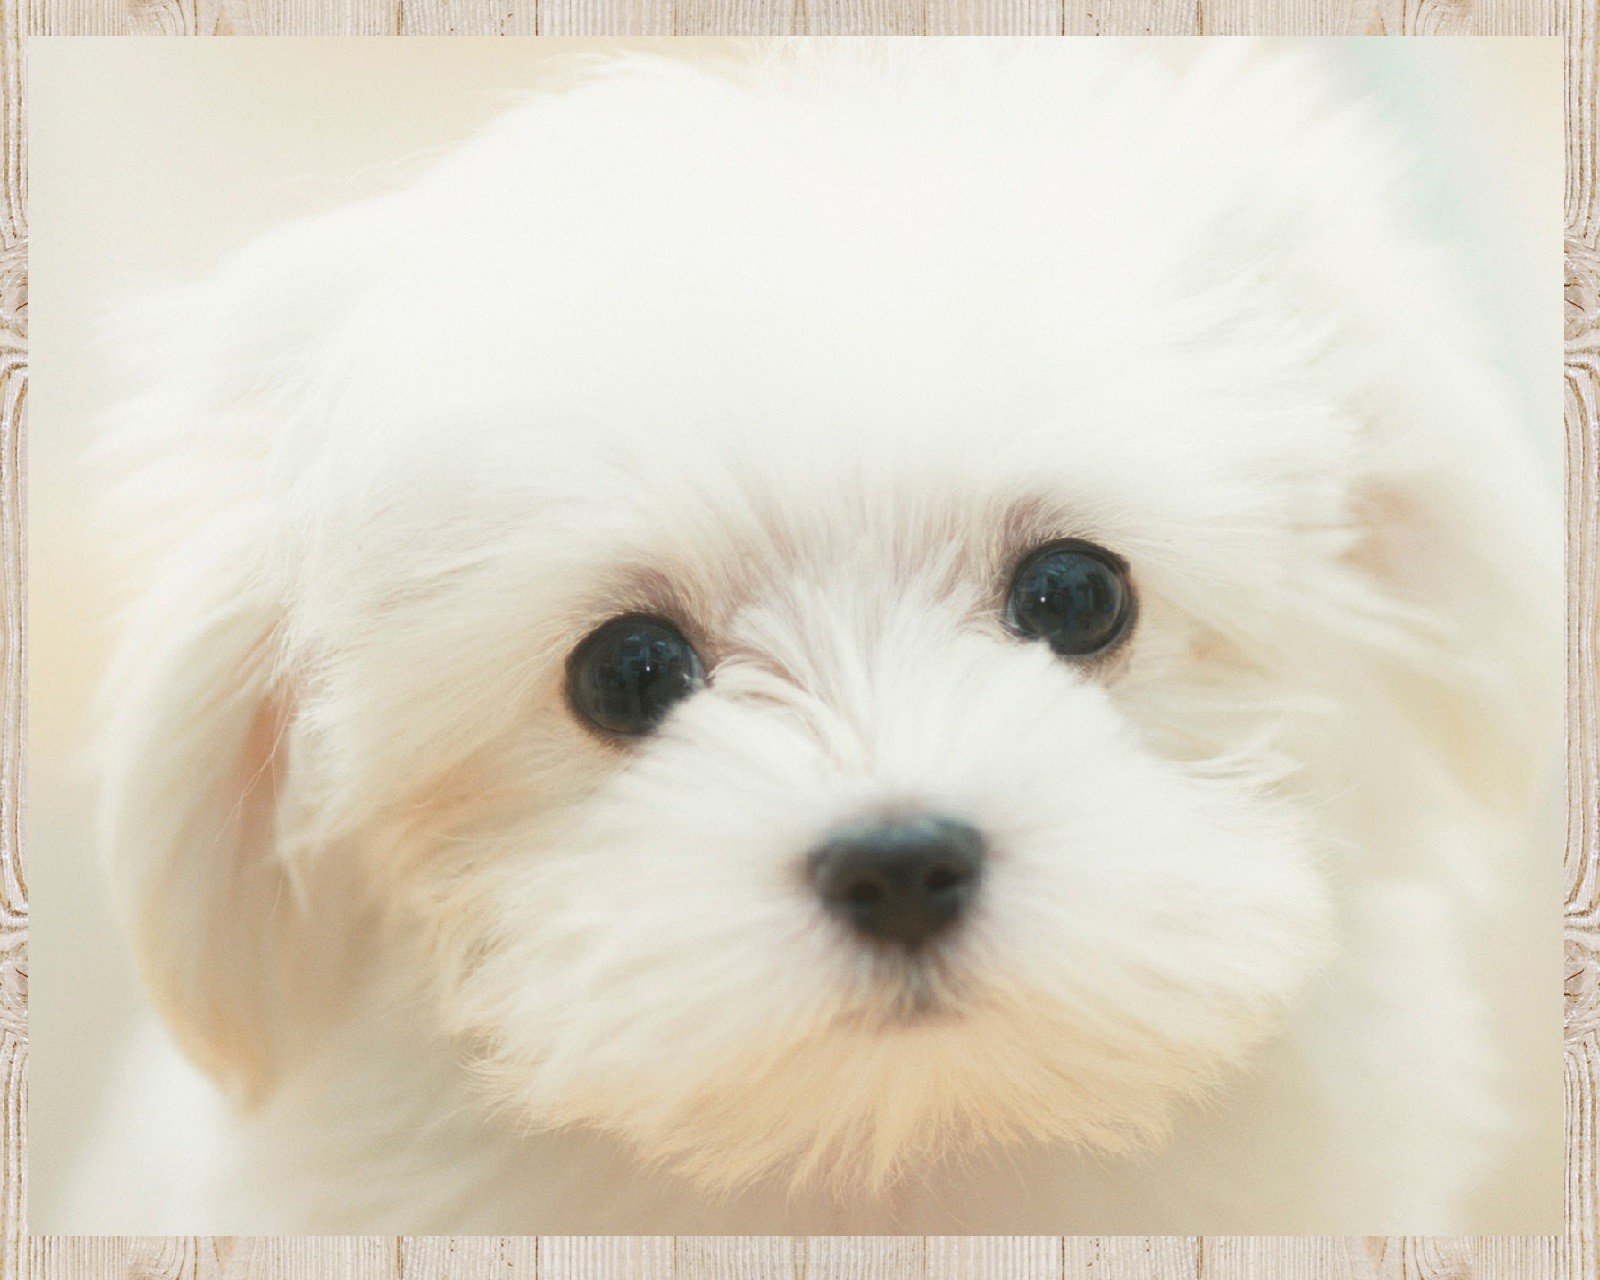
x,y
1467,545
1458,518
1456,535
194,768
195,714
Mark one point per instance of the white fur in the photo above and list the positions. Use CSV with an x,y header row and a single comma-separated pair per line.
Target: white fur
x,y
807,346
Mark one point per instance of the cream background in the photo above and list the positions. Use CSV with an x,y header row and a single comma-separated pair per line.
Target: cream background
x,y
151,159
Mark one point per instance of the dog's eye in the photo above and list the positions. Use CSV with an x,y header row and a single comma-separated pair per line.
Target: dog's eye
x,y
628,674
1072,595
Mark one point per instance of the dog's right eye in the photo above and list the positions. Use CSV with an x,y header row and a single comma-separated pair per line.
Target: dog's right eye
x,y
627,674
1074,596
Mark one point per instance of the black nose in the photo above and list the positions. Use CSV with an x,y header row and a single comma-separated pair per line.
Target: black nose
x,y
900,882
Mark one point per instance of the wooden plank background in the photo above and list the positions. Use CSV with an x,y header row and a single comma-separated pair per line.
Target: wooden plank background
x,y
1577,1253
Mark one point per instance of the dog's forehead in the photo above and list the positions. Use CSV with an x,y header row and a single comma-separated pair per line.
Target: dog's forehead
x,y
721,320
838,247
789,363
684,448
816,444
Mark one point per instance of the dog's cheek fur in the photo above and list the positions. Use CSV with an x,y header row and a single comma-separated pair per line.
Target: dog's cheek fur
x,y
655,964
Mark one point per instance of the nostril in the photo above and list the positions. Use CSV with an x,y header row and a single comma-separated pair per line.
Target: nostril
x,y
945,877
899,882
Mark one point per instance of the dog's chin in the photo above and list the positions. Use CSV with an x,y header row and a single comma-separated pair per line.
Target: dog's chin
x,y
929,1071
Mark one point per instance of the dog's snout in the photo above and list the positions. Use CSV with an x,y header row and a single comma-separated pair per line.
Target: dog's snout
x,y
900,882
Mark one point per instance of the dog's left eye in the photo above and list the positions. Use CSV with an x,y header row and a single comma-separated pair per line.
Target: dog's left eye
x,y
629,673
1074,596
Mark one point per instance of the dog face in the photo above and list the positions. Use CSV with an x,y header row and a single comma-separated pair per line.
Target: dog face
x,y
814,590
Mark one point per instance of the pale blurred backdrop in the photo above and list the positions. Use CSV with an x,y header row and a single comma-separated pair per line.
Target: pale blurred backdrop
x,y
151,159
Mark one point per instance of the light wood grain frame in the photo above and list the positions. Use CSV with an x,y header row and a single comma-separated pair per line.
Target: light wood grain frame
x,y
1575,1254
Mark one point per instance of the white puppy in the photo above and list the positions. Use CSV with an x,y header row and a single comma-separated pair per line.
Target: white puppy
x,y
866,637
